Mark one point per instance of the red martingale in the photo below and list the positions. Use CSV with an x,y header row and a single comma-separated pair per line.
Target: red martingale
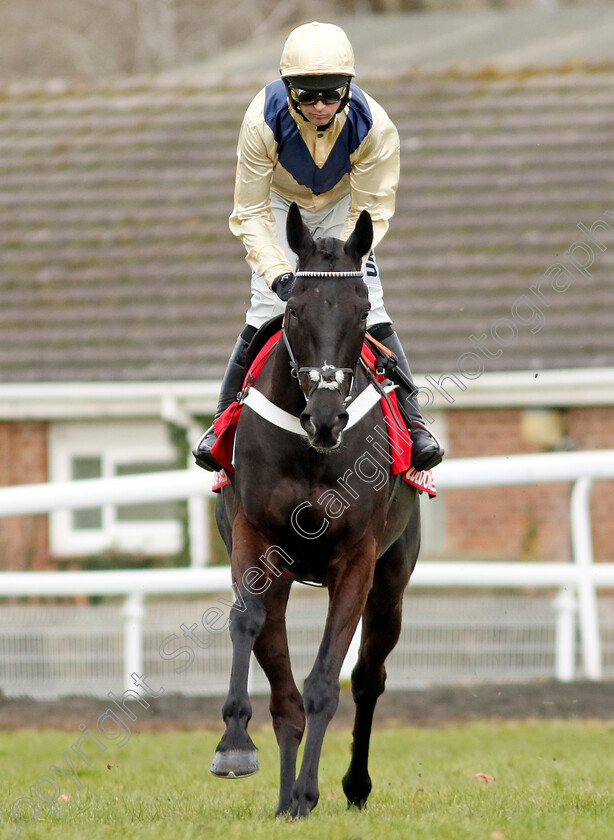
x,y
398,436
394,431
226,424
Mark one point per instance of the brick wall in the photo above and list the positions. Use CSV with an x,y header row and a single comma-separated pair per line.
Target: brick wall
x,y
23,460
531,521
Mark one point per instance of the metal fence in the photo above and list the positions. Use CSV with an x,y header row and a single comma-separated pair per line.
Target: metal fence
x,y
59,650
103,649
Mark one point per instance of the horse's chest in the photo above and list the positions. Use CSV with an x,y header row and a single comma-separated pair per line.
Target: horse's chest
x,y
313,514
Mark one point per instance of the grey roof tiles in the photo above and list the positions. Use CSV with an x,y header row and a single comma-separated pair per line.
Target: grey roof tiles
x,y
116,262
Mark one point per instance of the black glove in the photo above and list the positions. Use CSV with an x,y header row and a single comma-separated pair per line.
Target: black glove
x,y
282,285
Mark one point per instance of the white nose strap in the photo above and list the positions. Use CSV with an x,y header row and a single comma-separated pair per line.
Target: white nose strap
x,y
328,376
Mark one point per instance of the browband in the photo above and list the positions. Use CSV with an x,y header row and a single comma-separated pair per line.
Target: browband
x,y
328,274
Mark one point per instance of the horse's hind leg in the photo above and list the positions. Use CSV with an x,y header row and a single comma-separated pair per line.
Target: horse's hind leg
x,y
286,704
380,632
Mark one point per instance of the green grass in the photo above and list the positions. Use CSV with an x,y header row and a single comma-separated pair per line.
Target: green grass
x,y
552,781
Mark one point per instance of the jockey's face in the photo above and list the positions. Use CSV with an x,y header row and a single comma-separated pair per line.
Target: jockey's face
x,y
319,113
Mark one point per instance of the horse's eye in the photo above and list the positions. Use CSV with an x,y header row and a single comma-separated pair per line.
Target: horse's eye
x,y
364,315
292,313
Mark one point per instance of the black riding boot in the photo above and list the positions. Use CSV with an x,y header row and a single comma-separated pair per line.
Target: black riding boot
x,y
231,385
426,451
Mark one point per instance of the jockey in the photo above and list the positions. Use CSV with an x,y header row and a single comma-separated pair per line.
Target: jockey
x,y
315,138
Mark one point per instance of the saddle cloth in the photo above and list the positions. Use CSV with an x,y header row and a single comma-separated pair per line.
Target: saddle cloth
x,y
394,430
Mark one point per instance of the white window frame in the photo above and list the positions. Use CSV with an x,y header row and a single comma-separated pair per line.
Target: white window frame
x,y
114,442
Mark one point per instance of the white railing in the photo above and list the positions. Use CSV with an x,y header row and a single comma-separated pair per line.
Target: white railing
x,y
25,499
579,579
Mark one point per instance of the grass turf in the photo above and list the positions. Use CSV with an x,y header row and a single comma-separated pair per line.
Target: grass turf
x,y
552,781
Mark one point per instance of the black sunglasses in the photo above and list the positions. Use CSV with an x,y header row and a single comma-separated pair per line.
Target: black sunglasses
x,y
309,97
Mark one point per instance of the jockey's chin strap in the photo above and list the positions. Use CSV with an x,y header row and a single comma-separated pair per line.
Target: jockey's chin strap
x,y
328,376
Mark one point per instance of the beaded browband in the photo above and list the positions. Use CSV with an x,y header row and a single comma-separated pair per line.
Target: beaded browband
x,y
328,274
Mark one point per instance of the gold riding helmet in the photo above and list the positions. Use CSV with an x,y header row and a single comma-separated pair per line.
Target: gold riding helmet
x,y
317,63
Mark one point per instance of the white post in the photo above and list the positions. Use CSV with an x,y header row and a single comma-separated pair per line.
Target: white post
x,y
351,656
582,546
133,613
198,529
565,642
198,511
198,516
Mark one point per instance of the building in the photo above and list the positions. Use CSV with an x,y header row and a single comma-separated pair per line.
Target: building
x,y
122,291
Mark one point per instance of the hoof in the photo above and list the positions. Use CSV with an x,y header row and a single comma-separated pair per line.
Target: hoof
x,y
235,764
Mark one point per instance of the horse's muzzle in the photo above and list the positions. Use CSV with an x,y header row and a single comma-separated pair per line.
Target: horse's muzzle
x,y
324,428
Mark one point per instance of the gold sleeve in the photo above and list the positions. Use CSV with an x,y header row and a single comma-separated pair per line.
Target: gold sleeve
x,y
374,177
252,219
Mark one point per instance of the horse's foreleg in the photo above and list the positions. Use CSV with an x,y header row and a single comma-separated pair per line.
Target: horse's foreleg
x,y
380,632
286,704
348,594
236,754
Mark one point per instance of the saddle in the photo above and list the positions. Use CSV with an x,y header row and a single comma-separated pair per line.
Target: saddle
x,y
264,333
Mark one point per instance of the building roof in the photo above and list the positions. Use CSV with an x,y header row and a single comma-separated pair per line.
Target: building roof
x,y
117,264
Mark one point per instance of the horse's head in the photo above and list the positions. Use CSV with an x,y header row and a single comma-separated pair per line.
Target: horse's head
x,y
326,317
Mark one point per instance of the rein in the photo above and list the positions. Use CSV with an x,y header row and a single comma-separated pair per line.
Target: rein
x,y
327,376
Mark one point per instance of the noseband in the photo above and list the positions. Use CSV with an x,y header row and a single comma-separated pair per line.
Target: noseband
x,y
327,376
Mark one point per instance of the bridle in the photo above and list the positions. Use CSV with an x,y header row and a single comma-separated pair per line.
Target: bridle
x,y
328,376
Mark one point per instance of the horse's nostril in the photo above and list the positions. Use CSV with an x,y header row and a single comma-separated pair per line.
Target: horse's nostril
x,y
342,421
307,423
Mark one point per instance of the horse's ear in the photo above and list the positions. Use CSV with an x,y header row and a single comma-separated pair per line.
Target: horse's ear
x,y
299,238
361,239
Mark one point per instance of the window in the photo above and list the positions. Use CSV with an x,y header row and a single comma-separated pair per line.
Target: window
x,y
85,450
86,467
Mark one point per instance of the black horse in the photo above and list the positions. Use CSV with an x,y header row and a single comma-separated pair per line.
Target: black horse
x,y
305,504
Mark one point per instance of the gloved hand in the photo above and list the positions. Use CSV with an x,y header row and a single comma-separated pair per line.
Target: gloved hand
x,y
282,285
